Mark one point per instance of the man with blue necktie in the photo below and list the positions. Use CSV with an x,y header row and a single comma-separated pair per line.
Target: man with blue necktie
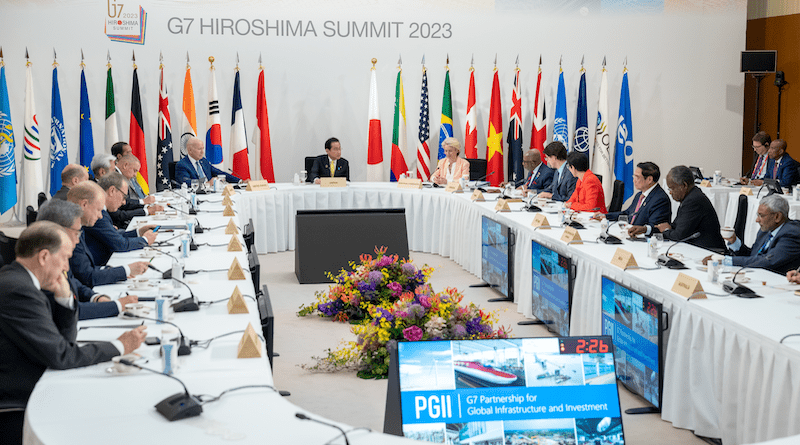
x,y
196,166
777,245
540,176
784,168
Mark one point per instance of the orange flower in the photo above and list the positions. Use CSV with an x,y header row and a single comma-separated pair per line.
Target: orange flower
x,y
407,296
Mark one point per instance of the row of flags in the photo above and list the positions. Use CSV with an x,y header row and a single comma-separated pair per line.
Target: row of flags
x,y
616,164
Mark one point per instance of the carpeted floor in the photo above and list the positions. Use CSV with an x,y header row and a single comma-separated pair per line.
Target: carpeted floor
x,y
346,398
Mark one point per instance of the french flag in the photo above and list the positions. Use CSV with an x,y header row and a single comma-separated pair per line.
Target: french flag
x,y
241,162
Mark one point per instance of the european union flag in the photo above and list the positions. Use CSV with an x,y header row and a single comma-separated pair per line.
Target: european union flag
x,y
58,138
8,166
87,140
623,155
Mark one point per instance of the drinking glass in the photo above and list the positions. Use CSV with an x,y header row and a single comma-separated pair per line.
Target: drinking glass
x,y
303,175
623,223
195,185
659,239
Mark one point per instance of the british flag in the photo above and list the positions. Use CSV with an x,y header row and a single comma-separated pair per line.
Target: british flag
x,y
164,147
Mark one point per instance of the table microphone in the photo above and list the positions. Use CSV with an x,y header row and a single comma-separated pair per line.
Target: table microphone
x,y
672,263
734,288
197,227
187,304
302,416
177,406
607,238
482,178
183,349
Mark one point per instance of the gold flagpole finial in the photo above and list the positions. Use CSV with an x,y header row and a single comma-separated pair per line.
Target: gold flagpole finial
x,y
423,63
560,58
55,63
625,65
604,62
2,63
27,58
582,70
447,62
236,68
108,59
400,62
187,61
374,61
83,65
517,61
211,61
260,66
495,61
472,63
160,60
133,58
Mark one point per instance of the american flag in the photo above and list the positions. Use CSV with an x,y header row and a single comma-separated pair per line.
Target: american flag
x,y
164,148
423,151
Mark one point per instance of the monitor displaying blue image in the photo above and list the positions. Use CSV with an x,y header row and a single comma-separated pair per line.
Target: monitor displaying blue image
x,y
495,253
634,323
551,288
509,391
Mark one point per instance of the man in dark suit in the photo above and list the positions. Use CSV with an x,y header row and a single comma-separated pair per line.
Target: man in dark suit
x,y
563,184
540,176
91,304
330,162
196,166
120,149
651,206
103,239
37,332
72,175
777,245
91,198
695,214
761,161
137,203
102,164
784,168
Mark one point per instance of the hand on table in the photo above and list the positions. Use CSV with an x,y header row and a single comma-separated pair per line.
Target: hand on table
x,y
663,227
316,180
154,208
545,195
757,182
793,276
636,230
127,300
138,268
149,236
145,228
599,216
132,339
149,200
567,205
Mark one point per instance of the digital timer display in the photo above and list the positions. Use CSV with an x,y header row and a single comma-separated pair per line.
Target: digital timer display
x,y
578,345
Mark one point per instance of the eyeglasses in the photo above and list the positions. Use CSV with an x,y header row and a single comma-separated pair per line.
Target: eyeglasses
x,y
764,215
75,231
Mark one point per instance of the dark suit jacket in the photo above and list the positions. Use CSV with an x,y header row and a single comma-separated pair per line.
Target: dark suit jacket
x,y
90,273
696,214
37,333
87,310
563,190
62,193
787,171
782,255
123,216
185,172
103,239
322,168
656,209
541,181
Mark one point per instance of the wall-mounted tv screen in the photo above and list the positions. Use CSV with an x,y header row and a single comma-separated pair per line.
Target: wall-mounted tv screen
x,y
511,391
496,269
551,284
634,322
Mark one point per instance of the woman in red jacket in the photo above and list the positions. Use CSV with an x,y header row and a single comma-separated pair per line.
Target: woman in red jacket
x,y
588,195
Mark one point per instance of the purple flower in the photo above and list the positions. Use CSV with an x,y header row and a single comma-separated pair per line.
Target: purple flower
x,y
416,311
409,269
424,301
396,288
412,333
459,331
401,314
383,262
375,277
385,314
474,326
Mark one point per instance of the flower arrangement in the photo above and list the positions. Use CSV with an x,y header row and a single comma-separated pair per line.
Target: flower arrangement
x,y
397,306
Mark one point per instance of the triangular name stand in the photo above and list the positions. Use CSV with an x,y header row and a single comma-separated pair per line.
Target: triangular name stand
x,y
333,182
477,196
746,191
228,211
687,286
257,186
705,183
409,183
227,192
540,221
234,245
453,187
250,344
235,272
229,189
623,259
571,235
231,228
236,304
226,201
502,206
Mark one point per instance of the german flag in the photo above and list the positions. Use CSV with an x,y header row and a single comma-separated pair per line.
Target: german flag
x,y
136,138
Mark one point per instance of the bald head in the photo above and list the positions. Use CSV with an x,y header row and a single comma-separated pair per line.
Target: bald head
x,y
129,165
195,149
73,174
91,198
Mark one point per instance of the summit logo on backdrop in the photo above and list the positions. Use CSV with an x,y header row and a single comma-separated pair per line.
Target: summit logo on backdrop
x,y
125,24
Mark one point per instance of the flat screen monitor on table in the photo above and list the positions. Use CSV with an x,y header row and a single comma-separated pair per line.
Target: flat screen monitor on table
x,y
634,322
496,251
551,288
509,391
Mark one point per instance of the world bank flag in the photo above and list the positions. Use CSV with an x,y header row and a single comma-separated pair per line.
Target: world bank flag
x,y
8,166
580,141
623,154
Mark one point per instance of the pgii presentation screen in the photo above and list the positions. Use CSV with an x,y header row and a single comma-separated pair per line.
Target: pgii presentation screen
x,y
633,322
551,288
494,255
510,391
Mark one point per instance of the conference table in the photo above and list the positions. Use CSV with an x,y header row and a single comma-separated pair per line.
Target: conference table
x,y
91,405
725,375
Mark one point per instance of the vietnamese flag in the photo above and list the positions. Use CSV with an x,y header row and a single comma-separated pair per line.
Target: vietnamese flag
x,y
136,138
494,139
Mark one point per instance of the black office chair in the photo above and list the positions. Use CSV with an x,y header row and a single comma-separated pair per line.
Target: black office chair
x,y
267,317
617,197
7,245
477,169
249,235
171,169
30,215
741,217
255,268
309,164
42,199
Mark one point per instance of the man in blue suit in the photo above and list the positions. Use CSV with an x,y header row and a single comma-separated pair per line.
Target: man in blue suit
x,y
540,176
103,239
777,245
196,166
331,161
563,184
91,199
651,206
784,168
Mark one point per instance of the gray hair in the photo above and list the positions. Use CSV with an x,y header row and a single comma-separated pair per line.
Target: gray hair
x,y
41,235
102,161
61,212
681,174
112,179
776,204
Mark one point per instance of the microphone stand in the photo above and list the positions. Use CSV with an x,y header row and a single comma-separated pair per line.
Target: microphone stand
x,y
734,288
183,349
178,406
607,238
671,263
302,416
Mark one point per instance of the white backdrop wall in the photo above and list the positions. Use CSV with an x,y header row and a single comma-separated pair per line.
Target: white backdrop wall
x,y
682,57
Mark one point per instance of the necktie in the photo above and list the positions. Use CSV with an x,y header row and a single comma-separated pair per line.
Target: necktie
x,y
775,169
530,181
135,186
757,170
765,246
638,206
333,166
200,172
556,178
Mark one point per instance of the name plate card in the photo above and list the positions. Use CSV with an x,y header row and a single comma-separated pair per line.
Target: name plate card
x,y
705,183
477,196
453,186
502,206
257,186
250,344
686,286
571,234
226,201
540,221
333,182
229,189
227,192
409,183
623,259
236,304
228,211
234,245
235,272
231,228
746,191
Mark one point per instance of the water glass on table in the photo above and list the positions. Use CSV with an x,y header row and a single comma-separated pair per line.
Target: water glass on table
x,y
623,224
